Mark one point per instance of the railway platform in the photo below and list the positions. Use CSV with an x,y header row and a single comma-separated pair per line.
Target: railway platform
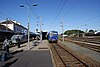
x,y
37,56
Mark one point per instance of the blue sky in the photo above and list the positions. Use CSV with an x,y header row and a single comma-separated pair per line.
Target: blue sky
x,y
76,14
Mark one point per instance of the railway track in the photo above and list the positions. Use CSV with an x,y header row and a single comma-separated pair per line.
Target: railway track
x,y
64,58
89,40
90,46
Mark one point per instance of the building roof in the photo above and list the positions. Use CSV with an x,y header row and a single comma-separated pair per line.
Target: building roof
x,y
12,22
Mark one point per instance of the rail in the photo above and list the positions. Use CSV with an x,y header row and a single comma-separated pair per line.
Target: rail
x,y
91,46
68,59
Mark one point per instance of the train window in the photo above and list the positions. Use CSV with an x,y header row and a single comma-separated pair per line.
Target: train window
x,y
55,33
51,33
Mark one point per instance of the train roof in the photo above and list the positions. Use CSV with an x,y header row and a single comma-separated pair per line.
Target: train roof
x,y
54,31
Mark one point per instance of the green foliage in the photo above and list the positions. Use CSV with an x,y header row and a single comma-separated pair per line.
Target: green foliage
x,y
92,31
68,32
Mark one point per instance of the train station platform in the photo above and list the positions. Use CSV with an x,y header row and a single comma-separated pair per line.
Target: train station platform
x,y
37,56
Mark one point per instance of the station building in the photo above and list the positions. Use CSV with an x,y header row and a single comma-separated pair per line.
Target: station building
x,y
14,26
9,28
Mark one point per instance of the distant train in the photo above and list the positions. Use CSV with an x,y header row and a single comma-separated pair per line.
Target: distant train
x,y
52,36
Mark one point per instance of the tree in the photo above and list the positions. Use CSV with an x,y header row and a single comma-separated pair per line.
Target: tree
x,y
69,32
92,31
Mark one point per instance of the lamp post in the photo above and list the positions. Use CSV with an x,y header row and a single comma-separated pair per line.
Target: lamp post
x,y
28,7
40,29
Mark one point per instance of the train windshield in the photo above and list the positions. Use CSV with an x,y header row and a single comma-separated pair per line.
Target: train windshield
x,y
53,33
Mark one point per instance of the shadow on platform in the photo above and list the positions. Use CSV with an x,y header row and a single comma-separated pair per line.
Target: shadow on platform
x,y
10,63
13,53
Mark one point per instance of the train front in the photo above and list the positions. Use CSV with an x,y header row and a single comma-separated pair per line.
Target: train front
x,y
53,36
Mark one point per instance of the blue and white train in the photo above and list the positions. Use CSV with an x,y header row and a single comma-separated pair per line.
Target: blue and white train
x,y
52,36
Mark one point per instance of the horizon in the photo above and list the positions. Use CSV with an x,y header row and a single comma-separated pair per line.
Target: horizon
x,y
76,14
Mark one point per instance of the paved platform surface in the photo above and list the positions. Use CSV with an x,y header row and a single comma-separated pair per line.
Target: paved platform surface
x,y
83,51
37,56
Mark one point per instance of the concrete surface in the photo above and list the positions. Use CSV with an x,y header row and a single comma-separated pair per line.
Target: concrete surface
x,y
37,56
